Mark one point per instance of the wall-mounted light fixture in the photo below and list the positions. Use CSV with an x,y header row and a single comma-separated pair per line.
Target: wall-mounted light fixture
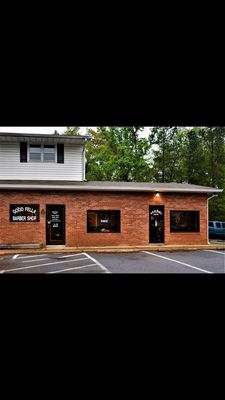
x,y
157,195
42,211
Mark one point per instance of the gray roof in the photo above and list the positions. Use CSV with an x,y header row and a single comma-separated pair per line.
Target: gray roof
x,y
39,138
107,186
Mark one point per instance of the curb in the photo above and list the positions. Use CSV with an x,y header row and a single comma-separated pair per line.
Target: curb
x,y
111,249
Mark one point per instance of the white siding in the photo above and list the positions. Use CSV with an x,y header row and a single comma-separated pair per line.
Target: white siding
x,y
12,168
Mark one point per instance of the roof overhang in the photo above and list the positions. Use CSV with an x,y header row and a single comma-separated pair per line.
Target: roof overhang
x,y
94,186
40,138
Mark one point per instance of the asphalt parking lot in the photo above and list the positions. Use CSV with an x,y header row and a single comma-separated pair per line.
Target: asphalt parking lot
x,y
190,262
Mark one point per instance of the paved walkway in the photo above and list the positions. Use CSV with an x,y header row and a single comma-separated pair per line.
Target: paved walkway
x,y
113,249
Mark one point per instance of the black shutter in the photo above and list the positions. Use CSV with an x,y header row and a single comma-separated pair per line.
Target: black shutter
x,y
23,152
60,153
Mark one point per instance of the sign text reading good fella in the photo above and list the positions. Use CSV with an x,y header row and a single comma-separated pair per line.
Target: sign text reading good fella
x,y
24,213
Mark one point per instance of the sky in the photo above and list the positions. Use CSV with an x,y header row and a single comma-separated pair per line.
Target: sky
x,y
50,129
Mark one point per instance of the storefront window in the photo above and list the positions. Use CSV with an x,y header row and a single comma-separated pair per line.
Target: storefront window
x,y
184,221
103,221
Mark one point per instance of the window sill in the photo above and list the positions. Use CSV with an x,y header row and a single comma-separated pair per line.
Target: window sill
x,y
42,162
172,233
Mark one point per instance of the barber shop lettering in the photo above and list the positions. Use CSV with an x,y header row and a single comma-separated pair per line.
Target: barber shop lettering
x,y
24,213
156,212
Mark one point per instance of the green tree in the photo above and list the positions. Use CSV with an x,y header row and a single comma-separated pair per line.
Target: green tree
x,y
72,130
117,154
214,144
194,157
167,153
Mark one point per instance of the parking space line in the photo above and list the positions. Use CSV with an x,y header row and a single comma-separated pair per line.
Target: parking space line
x,y
178,262
70,269
98,263
72,255
14,257
37,255
39,259
214,251
43,265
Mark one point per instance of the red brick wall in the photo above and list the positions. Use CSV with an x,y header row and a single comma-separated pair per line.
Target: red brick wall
x,y
134,209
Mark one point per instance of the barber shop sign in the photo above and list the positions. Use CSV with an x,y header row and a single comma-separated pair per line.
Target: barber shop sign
x,y
24,213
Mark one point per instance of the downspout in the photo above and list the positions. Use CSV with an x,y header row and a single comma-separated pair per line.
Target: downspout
x,y
214,195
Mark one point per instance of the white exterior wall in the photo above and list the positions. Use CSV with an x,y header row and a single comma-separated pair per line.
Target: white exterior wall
x,y
12,168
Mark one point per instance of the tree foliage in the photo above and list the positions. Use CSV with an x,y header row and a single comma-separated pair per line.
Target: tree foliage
x,y
72,131
117,154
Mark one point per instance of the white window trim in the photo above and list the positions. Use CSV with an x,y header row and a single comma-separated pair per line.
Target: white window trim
x,y
42,154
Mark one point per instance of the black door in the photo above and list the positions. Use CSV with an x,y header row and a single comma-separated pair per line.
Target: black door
x,y
55,224
156,218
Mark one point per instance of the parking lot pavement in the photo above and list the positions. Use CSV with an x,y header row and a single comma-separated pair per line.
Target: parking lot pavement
x,y
51,264
192,262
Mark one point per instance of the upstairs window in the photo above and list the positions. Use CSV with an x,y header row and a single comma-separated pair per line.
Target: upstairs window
x,y
42,153
35,153
49,153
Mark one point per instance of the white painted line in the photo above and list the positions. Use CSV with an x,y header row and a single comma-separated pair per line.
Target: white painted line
x,y
43,265
178,262
214,251
14,257
98,263
72,255
70,269
2,272
37,255
39,259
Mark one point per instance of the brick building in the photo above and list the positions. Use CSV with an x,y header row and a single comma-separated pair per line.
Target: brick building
x,y
45,198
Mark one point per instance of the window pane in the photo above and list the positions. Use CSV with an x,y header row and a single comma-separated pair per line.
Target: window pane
x,y
223,224
35,152
49,153
218,225
35,156
35,146
49,156
184,221
211,224
103,221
